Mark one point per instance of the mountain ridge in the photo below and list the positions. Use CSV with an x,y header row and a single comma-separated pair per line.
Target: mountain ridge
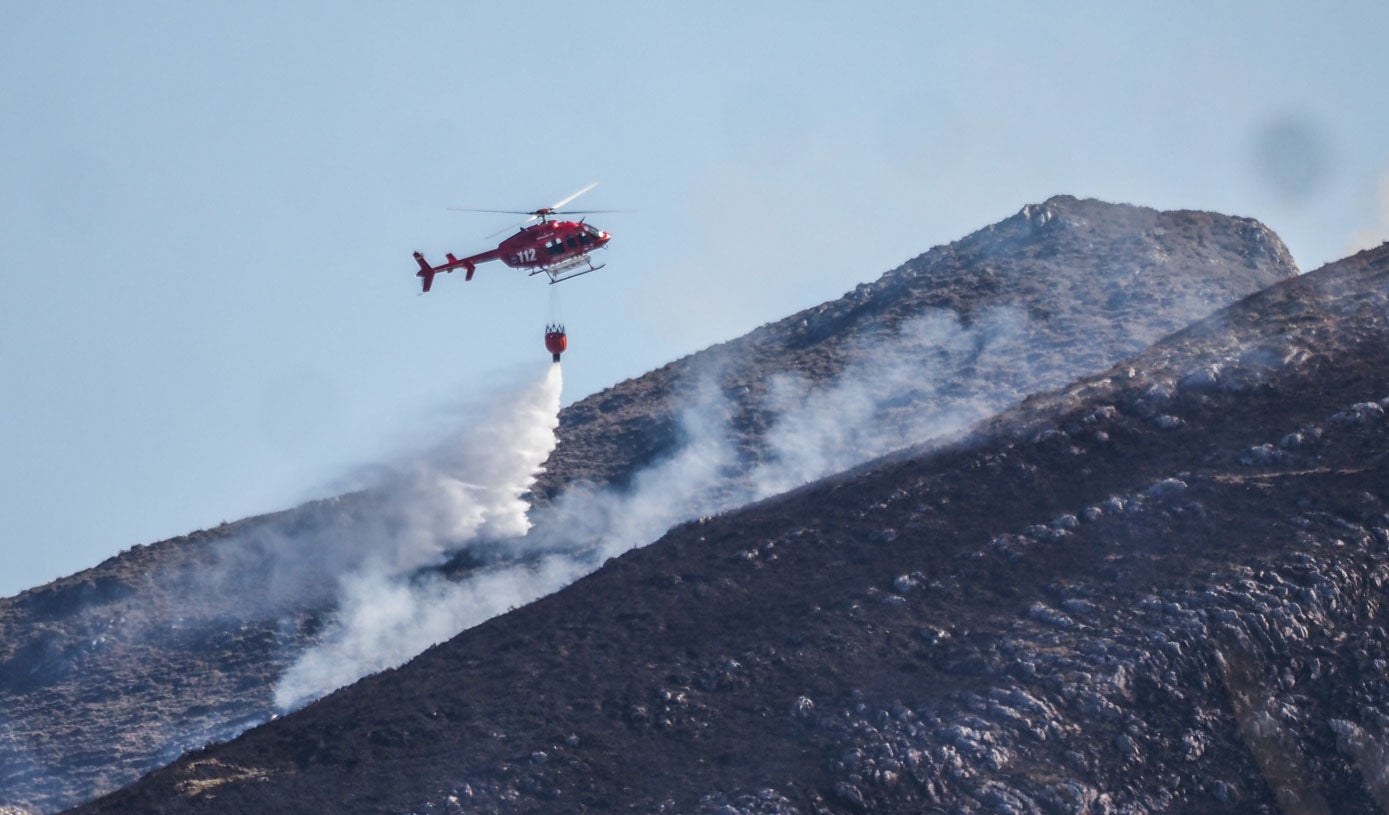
x,y
71,668
996,265
1151,589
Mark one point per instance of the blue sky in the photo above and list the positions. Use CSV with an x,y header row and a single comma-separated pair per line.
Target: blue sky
x,y
207,209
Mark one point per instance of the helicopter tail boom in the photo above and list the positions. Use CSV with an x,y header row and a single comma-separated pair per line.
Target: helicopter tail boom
x,y
427,272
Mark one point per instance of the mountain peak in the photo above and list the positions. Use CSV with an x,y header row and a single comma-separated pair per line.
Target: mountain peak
x,y
1059,291
1155,588
1082,282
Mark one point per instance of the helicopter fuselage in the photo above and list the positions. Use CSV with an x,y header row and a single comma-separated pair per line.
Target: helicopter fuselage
x,y
553,247
550,243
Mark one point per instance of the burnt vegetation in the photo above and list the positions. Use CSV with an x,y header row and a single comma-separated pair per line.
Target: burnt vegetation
x,y
1153,585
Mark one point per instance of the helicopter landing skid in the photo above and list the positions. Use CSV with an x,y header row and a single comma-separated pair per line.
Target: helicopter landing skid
x,y
561,272
560,278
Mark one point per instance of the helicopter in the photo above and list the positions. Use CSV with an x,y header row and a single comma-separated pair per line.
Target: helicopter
x,y
556,248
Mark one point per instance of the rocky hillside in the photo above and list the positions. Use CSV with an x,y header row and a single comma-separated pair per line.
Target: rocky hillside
x,y
159,645
1157,589
1060,289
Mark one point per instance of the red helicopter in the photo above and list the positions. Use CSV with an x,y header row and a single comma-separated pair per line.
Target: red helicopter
x,y
556,248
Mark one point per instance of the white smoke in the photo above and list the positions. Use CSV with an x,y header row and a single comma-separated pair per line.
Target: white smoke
x,y
466,489
388,611
385,620
927,378
898,393
589,524
893,392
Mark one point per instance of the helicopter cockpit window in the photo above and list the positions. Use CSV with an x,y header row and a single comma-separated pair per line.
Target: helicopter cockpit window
x,y
585,238
572,243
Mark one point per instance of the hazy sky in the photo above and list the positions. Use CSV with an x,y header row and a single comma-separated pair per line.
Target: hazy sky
x,y
207,209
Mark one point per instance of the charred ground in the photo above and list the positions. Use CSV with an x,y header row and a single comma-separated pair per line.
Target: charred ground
x,y
141,647
1159,589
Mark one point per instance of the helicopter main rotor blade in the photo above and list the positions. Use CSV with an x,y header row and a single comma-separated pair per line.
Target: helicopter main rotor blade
x,y
572,197
501,211
544,212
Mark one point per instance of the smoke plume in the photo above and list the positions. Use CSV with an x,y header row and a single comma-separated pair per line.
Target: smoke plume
x,y
926,379
464,490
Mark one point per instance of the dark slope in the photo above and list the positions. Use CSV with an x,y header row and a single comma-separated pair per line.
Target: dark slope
x,y
1160,589
149,647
